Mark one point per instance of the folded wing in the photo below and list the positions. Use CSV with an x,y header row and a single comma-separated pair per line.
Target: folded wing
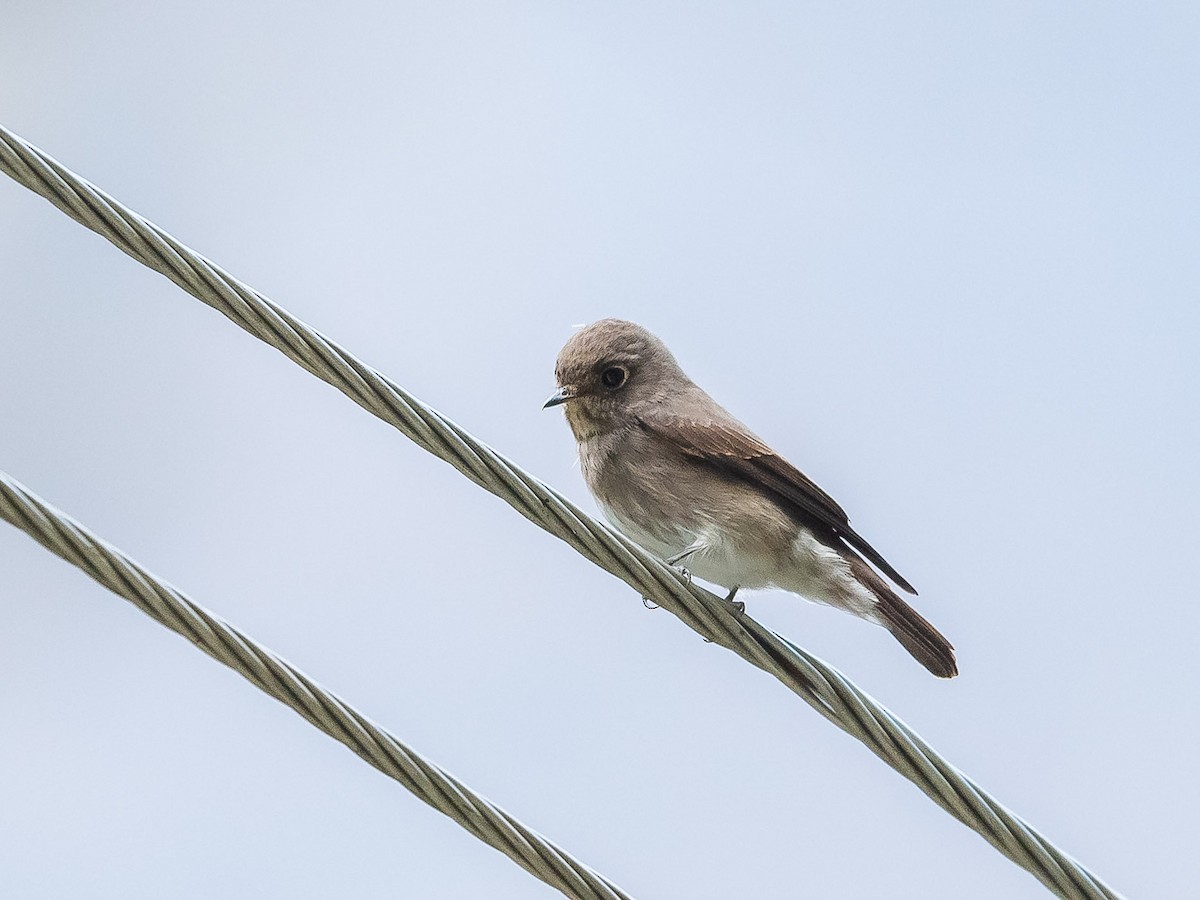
x,y
717,439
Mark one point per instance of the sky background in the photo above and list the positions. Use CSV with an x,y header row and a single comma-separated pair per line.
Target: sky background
x,y
945,258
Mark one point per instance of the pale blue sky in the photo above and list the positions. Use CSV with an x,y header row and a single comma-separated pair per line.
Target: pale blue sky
x,y
945,259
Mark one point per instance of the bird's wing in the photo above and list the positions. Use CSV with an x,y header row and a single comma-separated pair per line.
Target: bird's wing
x,y
717,439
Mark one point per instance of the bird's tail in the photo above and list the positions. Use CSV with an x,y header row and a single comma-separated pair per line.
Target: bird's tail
x,y
917,636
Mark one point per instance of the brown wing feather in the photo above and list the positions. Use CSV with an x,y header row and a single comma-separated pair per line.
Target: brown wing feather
x,y
722,441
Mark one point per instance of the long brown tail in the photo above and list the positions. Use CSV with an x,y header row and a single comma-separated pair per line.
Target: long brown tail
x,y
909,627
919,638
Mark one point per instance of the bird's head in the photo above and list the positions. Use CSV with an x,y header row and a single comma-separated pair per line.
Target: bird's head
x,y
607,370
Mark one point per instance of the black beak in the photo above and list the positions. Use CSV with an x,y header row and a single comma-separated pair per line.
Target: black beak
x,y
562,395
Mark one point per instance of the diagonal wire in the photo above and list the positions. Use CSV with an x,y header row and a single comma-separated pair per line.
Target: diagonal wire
x,y
66,538
818,683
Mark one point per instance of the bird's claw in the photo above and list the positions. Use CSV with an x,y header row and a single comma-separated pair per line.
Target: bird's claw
x,y
683,573
739,608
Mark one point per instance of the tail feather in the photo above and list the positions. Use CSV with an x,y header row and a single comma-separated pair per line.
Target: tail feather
x,y
917,636
922,640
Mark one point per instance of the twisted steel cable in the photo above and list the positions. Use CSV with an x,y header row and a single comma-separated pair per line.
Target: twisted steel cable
x,y
66,538
818,683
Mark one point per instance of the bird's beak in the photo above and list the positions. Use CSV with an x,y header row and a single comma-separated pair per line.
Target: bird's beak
x,y
562,395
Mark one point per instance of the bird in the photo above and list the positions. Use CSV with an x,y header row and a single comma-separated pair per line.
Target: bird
x,y
676,473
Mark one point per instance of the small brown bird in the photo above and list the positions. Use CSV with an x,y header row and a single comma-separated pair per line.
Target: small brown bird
x,y
673,471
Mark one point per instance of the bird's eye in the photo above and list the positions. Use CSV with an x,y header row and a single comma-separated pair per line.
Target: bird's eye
x,y
613,377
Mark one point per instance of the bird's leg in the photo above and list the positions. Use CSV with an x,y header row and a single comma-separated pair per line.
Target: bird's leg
x,y
738,606
684,573
682,555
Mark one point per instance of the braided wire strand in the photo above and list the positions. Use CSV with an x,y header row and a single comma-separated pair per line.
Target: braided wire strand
x,y
816,682
168,606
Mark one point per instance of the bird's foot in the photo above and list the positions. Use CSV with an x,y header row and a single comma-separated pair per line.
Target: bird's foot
x,y
739,608
683,573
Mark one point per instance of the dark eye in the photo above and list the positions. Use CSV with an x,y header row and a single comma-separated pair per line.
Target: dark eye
x,y
613,377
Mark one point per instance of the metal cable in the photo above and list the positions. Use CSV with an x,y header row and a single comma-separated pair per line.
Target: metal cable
x,y
818,683
66,538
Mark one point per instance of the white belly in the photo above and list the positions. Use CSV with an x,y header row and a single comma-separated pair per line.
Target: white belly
x,y
808,567
717,561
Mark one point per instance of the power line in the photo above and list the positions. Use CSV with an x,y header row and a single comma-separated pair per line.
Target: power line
x,y
171,608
